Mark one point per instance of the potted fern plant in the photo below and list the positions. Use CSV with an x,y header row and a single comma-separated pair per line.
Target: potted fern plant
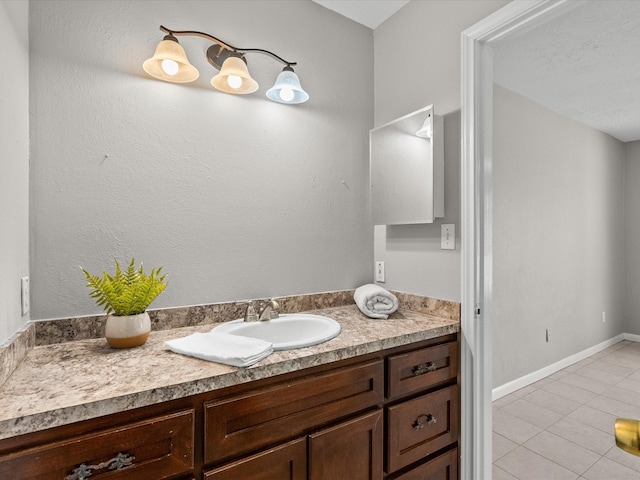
x,y
125,298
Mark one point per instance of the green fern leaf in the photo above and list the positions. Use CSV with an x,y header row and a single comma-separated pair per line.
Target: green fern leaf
x,y
128,292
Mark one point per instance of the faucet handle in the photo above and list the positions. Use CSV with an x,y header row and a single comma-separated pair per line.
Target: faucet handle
x,y
250,314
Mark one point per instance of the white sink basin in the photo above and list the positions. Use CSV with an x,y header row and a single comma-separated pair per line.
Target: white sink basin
x,y
290,331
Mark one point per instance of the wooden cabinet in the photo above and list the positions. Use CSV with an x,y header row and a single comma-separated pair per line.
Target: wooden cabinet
x,y
350,450
422,416
422,426
442,467
285,462
421,369
391,415
158,448
262,417
411,433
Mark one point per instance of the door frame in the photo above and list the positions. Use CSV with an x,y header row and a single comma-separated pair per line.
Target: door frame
x,y
477,222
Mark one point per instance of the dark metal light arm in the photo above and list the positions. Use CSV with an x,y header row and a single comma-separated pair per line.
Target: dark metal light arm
x,y
194,33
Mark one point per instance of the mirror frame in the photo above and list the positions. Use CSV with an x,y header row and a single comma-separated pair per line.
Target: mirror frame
x,y
476,223
406,172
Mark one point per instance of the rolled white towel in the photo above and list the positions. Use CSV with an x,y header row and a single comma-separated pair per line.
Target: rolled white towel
x,y
222,348
374,301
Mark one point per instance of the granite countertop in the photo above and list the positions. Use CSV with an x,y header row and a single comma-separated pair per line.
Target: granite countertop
x,y
63,383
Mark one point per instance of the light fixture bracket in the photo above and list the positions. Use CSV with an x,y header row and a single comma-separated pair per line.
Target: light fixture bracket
x,y
231,48
217,54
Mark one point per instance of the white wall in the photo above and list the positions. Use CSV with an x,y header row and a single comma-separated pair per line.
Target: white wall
x,y
632,237
417,63
14,163
558,245
237,197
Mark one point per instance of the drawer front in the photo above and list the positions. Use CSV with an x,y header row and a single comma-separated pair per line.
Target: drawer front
x,y
285,462
156,448
421,369
443,467
250,422
420,427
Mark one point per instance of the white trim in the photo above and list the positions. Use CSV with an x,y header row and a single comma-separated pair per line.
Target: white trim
x,y
632,337
533,377
476,250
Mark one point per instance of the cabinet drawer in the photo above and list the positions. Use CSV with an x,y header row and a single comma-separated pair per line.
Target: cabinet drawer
x,y
420,427
421,369
261,418
443,467
284,462
157,448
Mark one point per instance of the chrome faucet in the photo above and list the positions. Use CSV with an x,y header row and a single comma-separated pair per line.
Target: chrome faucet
x,y
270,311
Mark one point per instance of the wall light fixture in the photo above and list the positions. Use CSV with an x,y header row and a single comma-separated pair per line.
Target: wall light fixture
x,y
170,63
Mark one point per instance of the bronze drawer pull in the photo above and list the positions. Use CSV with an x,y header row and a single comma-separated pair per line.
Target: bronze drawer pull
x,y
116,463
424,368
423,420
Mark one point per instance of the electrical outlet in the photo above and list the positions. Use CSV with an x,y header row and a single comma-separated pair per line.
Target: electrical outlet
x,y
380,272
24,293
604,317
548,334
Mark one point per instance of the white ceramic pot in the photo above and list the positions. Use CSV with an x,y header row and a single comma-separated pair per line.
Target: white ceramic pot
x,y
127,331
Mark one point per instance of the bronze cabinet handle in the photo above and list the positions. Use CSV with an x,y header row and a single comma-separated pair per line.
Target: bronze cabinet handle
x,y
116,463
423,420
424,368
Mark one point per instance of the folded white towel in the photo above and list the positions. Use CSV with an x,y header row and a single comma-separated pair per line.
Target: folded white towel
x,y
374,301
222,348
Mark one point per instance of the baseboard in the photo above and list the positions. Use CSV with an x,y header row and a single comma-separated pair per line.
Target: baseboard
x,y
533,377
632,337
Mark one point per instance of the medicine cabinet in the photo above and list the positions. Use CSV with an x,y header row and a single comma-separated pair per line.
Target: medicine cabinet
x,y
407,169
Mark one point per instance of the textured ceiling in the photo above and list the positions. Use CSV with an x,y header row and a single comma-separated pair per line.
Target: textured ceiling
x,y
370,13
584,64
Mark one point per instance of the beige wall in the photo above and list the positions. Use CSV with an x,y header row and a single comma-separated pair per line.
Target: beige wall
x,y
237,197
417,63
632,237
558,243
14,164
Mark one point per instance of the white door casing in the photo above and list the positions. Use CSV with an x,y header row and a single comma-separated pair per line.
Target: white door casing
x,y
476,223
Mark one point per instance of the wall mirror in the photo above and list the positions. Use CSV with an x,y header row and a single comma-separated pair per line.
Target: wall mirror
x,y
407,169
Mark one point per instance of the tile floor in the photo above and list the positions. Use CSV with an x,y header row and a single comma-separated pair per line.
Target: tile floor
x,y
562,426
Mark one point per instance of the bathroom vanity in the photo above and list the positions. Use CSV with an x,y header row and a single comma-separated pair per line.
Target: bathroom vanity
x,y
380,401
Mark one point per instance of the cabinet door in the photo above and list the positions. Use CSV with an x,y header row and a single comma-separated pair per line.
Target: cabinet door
x,y
285,462
352,450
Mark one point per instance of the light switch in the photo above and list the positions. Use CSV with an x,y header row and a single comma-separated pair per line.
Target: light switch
x,y
448,236
380,272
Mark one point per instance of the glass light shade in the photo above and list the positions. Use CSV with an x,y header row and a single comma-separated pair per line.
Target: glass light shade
x,y
235,68
169,51
287,88
426,131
